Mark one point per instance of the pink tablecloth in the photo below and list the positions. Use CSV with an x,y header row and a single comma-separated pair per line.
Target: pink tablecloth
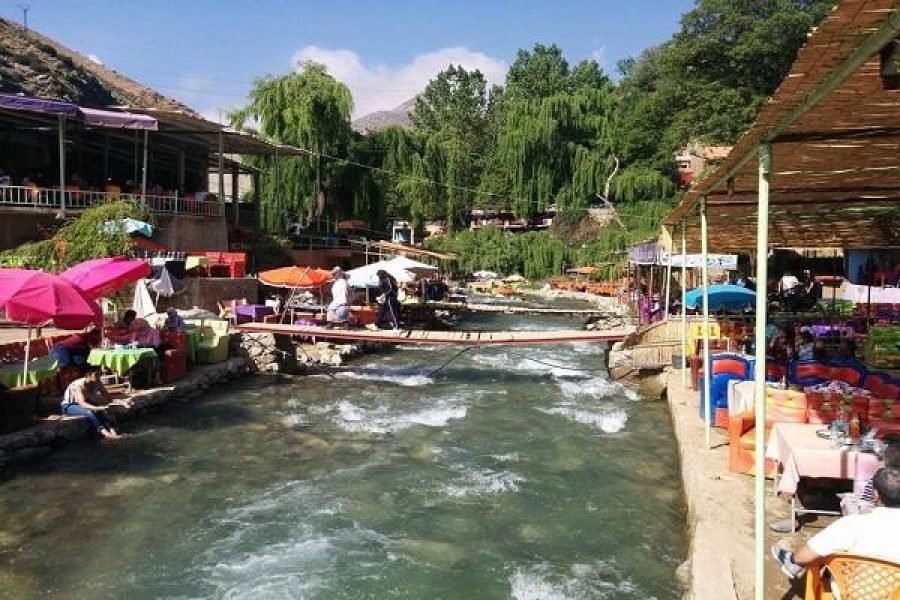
x,y
802,453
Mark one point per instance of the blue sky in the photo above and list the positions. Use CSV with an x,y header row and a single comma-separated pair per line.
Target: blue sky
x,y
207,53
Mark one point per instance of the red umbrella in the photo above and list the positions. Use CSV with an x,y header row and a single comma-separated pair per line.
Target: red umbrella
x,y
37,298
102,276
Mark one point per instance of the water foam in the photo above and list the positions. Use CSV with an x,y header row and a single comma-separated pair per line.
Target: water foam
x,y
484,482
582,582
387,375
604,420
382,419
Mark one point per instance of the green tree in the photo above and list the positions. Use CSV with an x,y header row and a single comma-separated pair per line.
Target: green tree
x,y
708,82
308,109
453,107
95,233
539,73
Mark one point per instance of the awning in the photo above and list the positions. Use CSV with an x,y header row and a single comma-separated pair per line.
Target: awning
x,y
38,105
117,119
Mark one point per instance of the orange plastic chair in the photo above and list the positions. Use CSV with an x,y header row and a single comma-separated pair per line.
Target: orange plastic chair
x,y
857,578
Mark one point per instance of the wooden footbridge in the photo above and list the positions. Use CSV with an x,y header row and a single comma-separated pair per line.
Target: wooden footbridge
x,y
521,310
450,338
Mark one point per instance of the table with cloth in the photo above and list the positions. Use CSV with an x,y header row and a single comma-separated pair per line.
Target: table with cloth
x,y
40,369
252,312
119,360
802,453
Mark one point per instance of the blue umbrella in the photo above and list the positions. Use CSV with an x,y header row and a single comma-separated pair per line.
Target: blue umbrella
x,y
728,297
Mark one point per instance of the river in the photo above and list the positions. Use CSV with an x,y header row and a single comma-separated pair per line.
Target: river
x,y
495,477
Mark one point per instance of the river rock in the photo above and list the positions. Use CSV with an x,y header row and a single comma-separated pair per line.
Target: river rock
x,y
123,485
442,554
15,585
421,453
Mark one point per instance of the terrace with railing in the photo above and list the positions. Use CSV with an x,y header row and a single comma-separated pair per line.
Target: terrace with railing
x,y
28,197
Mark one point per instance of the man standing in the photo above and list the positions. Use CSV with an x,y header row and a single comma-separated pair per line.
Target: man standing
x,y
339,309
388,304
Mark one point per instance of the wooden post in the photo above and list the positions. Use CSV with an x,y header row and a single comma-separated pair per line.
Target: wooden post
x,y
235,192
62,163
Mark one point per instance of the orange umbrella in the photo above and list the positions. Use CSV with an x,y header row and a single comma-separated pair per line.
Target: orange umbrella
x,y
295,277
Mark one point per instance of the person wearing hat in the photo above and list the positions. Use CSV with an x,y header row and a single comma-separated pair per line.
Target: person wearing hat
x,y
339,308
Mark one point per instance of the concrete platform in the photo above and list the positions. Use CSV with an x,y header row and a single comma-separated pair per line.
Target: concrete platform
x,y
720,511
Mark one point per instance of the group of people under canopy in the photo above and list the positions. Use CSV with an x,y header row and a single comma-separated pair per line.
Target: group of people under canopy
x,y
393,281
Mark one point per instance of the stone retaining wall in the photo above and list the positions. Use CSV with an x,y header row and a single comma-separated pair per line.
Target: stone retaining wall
x,y
58,430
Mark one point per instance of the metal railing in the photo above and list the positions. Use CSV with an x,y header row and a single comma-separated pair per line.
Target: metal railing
x,y
52,198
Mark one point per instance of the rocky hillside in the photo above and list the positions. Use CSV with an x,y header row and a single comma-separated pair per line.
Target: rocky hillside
x,y
383,118
35,65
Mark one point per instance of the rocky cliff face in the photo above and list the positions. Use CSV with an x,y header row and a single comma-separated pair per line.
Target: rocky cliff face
x,y
35,65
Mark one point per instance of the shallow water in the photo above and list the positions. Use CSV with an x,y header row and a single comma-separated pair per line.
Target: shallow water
x,y
495,477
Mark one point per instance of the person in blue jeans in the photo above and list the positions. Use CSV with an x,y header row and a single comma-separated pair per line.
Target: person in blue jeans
x,y
79,397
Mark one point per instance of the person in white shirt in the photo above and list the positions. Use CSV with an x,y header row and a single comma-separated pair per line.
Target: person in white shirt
x,y
339,308
875,534
788,283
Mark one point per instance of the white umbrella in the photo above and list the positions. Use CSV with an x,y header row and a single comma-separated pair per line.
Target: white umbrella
x,y
413,266
367,276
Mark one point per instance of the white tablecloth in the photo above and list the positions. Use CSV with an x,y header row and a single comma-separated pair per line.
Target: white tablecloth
x,y
860,294
740,396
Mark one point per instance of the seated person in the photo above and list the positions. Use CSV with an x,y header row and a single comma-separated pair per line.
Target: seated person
x,y
173,321
73,351
806,349
80,397
873,534
787,284
863,498
121,330
143,335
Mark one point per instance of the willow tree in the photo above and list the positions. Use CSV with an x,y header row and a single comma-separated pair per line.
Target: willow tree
x,y
307,109
555,150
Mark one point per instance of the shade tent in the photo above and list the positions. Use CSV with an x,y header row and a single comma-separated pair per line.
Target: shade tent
x,y
367,276
295,277
38,105
37,298
413,266
130,226
819,167
117,119
92,117
103,276
722,297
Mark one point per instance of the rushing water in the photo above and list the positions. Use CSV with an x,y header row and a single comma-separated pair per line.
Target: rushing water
x,y
496,477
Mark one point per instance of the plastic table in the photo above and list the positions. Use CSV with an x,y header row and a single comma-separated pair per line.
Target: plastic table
x,y
119,360
802,453
252,312
40,369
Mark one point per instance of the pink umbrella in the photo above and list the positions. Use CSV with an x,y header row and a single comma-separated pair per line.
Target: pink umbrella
x,y
103,276
37,298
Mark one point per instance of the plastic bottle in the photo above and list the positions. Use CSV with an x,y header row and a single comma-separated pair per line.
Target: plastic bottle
x,y
854,428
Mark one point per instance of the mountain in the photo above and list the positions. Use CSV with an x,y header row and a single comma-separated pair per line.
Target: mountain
x,y
34,65
398,115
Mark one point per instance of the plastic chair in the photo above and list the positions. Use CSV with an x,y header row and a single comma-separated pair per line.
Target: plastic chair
x,y
857,578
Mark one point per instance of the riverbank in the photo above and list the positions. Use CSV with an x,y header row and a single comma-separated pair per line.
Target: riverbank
x,y
720,564
606,303
58,430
